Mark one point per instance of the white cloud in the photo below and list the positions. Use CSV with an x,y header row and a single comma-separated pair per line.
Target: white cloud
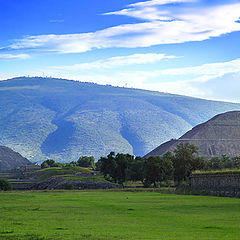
x,y
147,10
119,61
163,27
212,81
4,76
148,13
14,56
209,70
158,2
218,81
224,88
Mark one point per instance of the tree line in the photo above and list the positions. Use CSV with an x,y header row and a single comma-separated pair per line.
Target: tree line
x,y
176,165
83,161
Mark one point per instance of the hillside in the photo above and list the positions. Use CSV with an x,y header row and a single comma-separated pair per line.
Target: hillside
x,y
62,119
214,138
10,159
69,177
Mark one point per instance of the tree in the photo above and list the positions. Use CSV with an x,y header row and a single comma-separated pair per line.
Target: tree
x,y
227,162
49,163
184,161
123,162
87,162
5,185
115,167
135,171
236,162
157,169
107,165
198,163
215,163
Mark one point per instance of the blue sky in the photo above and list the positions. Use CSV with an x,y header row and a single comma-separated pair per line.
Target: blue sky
x,y
189,47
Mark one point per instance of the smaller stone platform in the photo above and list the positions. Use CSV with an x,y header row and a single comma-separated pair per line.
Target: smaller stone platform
x,y
220,183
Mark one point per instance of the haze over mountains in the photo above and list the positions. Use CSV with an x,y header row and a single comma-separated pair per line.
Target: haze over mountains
x,y
60,119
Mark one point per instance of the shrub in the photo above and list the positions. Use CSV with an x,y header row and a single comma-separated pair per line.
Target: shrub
x,y
85,161
5,185
68,186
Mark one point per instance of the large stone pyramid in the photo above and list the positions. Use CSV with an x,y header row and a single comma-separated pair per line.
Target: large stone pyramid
x,y
216,137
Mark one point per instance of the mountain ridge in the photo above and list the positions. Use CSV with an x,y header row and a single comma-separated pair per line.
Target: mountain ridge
x,y
63,119
10,159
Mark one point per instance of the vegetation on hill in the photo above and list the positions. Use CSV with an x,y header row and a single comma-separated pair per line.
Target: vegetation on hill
x,y
120,169
5,185
220,171
45,118
177,166
65,176
83,161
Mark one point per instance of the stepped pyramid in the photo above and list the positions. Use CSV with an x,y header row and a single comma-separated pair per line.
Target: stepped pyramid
x,y
214,138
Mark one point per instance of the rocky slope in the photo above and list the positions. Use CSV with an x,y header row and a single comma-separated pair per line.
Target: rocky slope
x,y
214,138
61,119
10,159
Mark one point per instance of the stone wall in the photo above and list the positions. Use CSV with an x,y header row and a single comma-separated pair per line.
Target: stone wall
x,y
225,183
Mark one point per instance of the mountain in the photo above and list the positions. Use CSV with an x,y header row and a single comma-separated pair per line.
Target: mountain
x,y
10,159
214,138
45,118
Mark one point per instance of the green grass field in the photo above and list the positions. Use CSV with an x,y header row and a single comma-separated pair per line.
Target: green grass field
x,y
117,215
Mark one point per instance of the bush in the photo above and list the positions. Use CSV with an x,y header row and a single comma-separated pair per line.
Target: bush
x,y
49,163
5,185
68,186
87,162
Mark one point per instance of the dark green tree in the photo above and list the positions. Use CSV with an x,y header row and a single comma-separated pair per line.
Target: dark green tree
x,y
157,169
107,165
135,171
227,162
5,185
236,162
87,162
49,163
214,163
186,155
115,167
123,162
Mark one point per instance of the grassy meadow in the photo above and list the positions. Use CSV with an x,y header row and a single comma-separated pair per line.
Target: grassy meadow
x,y
117,215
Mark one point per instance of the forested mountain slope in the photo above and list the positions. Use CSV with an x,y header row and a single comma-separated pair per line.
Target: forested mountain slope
x,y
62,119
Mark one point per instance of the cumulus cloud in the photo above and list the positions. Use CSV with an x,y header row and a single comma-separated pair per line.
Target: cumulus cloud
x,y
160,26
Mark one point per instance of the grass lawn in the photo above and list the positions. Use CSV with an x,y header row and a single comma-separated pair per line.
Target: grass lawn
x,y
117,215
